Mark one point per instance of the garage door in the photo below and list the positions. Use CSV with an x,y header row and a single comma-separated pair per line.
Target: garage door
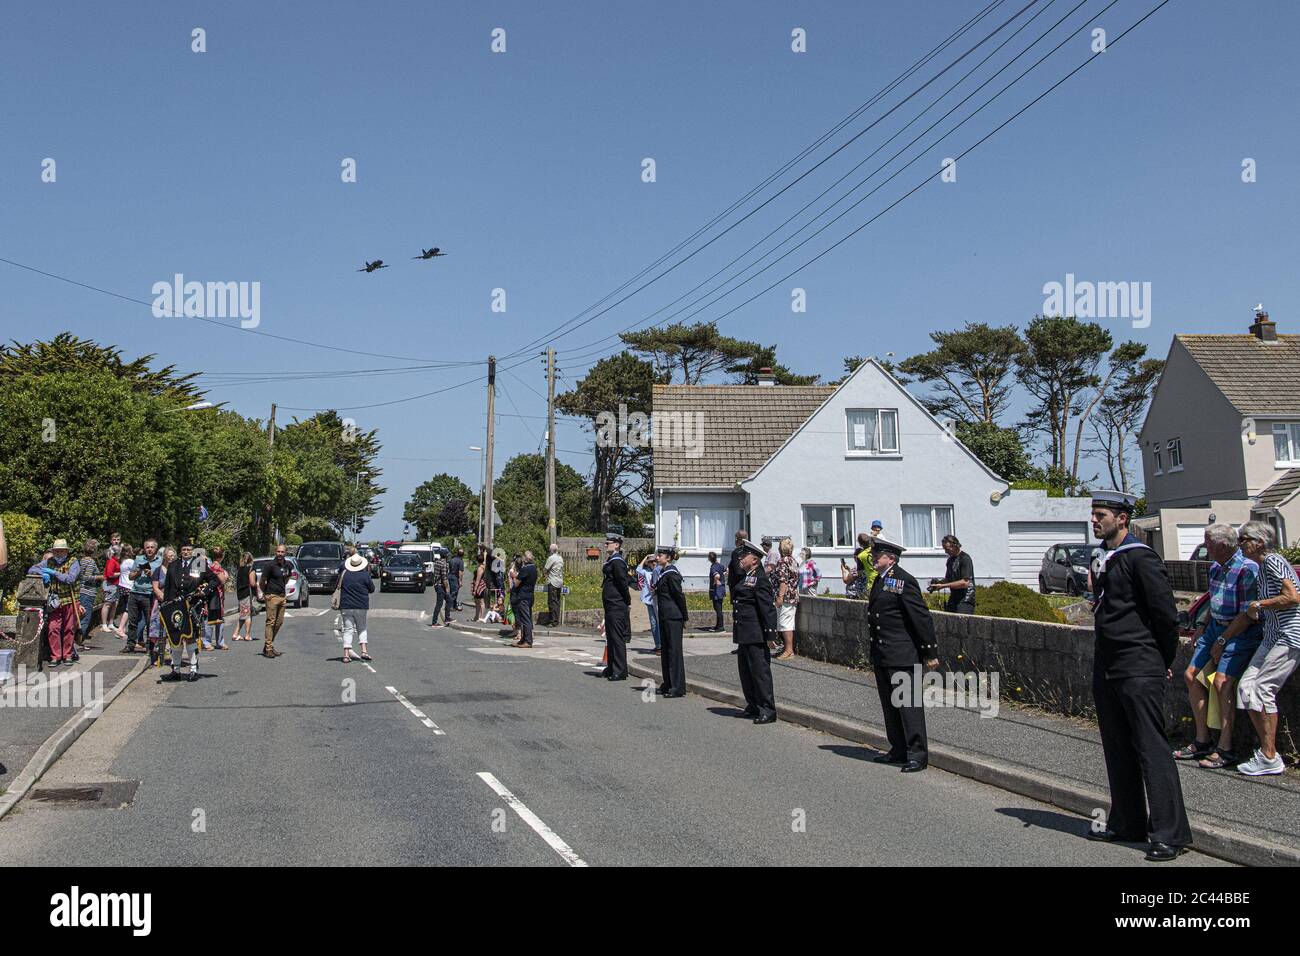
x,y
1027,540
1189,536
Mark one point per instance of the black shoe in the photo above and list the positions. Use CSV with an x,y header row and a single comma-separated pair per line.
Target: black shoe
x,y
765,719
194,675
674,693
888,758
171,676
1110,836
1163,852
606,672
914,766
613,677
749,713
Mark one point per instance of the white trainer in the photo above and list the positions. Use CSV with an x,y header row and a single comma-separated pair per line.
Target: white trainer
x,y
1260,766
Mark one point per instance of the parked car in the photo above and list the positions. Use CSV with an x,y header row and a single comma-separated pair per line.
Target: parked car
x,y
295,593
1065,568
320,562
403,570
1202,553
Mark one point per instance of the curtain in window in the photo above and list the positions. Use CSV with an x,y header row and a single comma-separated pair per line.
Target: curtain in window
x,y
816,526
942,523
716,529
843,527
688,528
888,431
862,429
916,527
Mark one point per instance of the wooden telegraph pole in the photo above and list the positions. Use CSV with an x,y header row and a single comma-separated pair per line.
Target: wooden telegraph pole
x,y
487,468
550,443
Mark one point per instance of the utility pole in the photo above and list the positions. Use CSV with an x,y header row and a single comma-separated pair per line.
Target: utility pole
x,y
550,442
270,427
487,467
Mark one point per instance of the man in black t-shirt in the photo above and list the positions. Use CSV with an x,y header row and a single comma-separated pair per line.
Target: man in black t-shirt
x,y
958,578
271,589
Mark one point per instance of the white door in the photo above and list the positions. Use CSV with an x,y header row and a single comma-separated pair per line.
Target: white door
x,y
1028,540
1190,537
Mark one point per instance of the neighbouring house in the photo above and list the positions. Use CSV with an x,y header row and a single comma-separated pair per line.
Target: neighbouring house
x,y
820,463
1221,440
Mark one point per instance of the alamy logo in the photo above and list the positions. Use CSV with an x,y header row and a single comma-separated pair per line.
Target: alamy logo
x,y
1099,300
103,909
970,691
209,300
58,690
638,430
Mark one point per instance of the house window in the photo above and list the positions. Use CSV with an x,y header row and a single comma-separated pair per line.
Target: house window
x,y
1286,443
828,526
1160,469
872,431
706,529
1175,447
924,526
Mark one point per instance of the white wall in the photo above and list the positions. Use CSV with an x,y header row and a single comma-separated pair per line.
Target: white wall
x,y
693,563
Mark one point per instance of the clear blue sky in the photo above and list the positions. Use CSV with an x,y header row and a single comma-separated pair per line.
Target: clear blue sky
x,y
525,167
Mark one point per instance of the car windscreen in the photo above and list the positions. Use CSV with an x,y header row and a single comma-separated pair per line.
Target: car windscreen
x,y
406,560
321,551
1081,555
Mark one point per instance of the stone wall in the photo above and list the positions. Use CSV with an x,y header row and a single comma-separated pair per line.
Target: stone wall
x,y
1047,665
592,618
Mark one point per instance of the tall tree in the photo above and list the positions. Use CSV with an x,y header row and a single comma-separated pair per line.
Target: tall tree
x,y
764,356
969,370
425,507
622,468
999,448
68,353
1119,414
338,461
689,353
1059,367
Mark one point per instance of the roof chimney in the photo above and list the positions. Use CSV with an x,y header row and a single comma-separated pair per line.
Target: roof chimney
x,y
765,377
1264,329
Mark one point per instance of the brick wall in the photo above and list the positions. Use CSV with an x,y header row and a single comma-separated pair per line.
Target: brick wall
x,y
1048,665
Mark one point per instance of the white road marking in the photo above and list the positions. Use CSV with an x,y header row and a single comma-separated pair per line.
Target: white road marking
x,y
533,820
417,712
369,668
326,611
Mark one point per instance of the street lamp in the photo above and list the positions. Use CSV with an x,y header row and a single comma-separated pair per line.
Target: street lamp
x,y
482,481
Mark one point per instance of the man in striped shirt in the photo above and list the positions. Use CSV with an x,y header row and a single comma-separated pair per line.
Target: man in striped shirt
x,y
1279,653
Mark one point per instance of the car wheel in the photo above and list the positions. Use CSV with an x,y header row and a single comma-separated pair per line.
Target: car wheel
x,y
421,588
306,600
1071,588
383,589
1042,585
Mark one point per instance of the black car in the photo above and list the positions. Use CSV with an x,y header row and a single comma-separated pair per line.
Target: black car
x,y
403,570
1065,568
319,562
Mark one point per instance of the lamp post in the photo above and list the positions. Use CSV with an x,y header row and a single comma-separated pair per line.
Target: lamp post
x,y
482,480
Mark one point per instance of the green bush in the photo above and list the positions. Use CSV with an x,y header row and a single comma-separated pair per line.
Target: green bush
x,y
23,537
1291,554
1007,599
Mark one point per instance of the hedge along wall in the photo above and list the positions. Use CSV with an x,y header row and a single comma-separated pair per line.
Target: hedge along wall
x,y
1047,665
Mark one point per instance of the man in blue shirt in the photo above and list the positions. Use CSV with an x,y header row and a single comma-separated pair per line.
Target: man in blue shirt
x,y
142,574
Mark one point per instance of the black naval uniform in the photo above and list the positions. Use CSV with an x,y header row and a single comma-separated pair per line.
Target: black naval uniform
x,y
672,622
902,635
753,624
1137,636
617,599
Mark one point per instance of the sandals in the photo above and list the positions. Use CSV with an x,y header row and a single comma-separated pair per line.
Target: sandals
x,y
366,657
1196,750
1219,760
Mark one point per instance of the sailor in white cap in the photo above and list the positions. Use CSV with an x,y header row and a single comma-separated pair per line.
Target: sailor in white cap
x,y
902,640
753,625
617,601
1136,625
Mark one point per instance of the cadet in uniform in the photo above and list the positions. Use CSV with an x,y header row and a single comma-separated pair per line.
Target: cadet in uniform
x,y
902,635
616,598
753,624
672,622
189,579
1136,625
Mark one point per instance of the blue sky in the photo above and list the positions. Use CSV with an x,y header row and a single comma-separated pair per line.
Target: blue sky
x,y
526,168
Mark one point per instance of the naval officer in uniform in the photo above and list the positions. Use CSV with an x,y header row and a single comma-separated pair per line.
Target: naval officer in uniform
x,y
902,636
617,600
753,625
1136,624
671,603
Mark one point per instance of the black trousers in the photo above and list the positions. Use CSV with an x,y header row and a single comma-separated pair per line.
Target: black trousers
x,y
524,620
552,605
717,614
754,662
618,627
671,656
1131,718
905,726
441,606
453,594
138,617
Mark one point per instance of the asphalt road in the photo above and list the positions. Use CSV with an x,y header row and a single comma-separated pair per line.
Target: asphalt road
x,y
302,760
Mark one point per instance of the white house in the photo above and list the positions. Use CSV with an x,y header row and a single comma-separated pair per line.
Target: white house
x,y
820,463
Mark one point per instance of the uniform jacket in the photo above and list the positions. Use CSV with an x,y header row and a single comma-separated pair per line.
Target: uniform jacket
x,y
753,608
1135,618
525,582
614,586
901,629
668,594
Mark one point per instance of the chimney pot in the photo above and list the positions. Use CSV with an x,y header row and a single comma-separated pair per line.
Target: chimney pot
x,y
765,377
1264,329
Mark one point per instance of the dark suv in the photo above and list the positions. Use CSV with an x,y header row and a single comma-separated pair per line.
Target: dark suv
x,y
319,562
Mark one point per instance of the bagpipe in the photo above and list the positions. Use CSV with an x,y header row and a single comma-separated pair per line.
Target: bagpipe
x,y
183,617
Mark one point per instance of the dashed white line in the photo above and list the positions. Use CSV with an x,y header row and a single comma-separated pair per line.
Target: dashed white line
x,y
369,668
533,820
417,712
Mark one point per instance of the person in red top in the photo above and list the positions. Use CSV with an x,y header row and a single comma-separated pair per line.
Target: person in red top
x,y
216,604
112,571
